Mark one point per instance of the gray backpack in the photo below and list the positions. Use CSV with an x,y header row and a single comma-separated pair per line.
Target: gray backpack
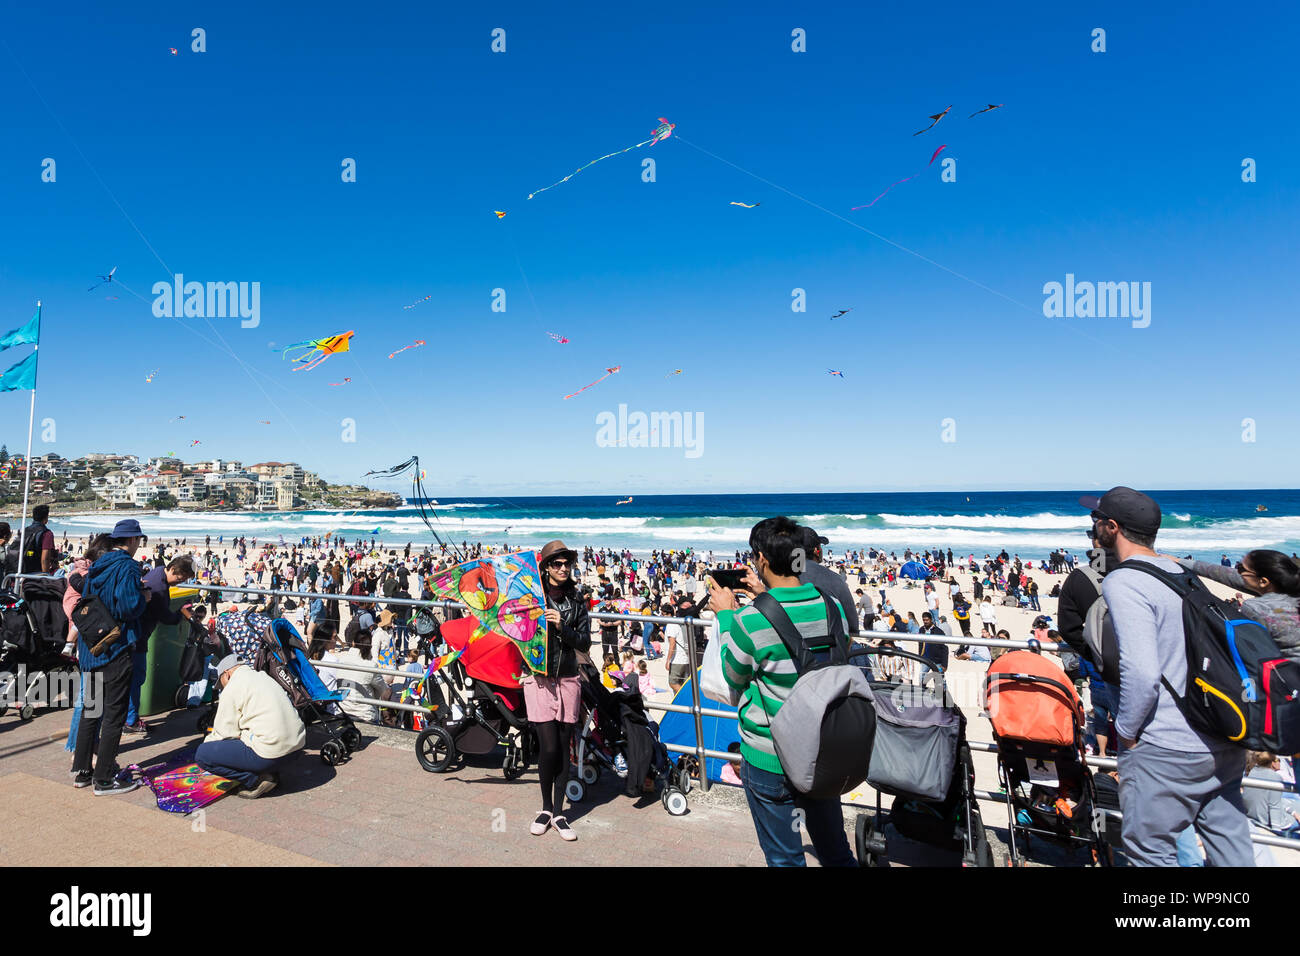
x,y
1098,630
823,733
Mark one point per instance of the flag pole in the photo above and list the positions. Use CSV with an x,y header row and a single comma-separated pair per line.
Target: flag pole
x,y
27,474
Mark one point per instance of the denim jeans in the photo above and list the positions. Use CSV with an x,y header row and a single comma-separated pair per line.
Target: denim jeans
x,y
234,760
772,804
139,670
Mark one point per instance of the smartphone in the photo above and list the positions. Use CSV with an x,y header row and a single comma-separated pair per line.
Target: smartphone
x,y
733,578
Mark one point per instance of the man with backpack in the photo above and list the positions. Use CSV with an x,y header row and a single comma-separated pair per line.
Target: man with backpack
x,y
1171,774
37,542
758,667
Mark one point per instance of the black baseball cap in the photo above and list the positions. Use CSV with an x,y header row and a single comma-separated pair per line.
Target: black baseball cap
x,y
811,539
1126,507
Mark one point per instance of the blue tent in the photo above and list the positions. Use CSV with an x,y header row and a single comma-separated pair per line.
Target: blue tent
x,y
719,732
915,571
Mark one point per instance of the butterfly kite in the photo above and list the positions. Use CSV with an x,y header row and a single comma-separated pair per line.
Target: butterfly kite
x,y
414,345
901,181
315,351
344,382
935,119
746,205
417,302
661,132
504,592
832,371
841,312
608,373
499,213
991,106
562,339
104,280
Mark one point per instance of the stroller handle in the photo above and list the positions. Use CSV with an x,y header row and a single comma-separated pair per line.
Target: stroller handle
x,y
895,652
1030,679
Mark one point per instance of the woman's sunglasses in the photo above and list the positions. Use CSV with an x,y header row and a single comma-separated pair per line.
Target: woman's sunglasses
x,y
559,564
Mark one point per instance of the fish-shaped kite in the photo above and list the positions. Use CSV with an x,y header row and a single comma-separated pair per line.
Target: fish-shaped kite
x,y
991,106
935,119
608,373
661,132
315,351
746,205
414,345
562,339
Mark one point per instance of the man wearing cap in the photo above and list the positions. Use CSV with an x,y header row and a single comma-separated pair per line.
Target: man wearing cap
x,y
114,579
1170,775
818,575
255,730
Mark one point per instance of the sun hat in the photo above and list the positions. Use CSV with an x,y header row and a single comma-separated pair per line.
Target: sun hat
x,y
553,549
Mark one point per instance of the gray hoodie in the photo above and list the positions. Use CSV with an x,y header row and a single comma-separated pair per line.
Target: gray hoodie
x,y
1279,613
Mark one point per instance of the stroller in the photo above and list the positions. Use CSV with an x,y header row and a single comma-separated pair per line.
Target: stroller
x,y
477,704
1038,717
617,735
921,758
33,630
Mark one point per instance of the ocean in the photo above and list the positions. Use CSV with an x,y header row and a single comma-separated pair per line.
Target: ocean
x,y
1203,523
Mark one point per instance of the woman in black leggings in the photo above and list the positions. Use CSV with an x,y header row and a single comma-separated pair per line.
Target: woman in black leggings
x,y
552,699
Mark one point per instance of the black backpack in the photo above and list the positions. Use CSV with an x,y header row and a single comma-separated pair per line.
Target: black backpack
x,y
1239,686
96,627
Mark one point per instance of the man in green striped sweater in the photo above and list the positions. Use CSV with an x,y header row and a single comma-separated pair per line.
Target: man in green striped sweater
x,y
757,665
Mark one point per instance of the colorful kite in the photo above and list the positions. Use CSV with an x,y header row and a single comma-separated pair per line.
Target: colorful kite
x,y
195,442
499,213
935,118
149,378
563,340
746,205
834,372
344,382
841,312
991,106
315,351
176,419
662,132
414,345
625,501
608,373
901,181
262,421
187,788
173,51
417,302
675,371
504,592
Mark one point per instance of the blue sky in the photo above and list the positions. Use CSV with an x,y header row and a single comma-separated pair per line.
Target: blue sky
x,y
1115,166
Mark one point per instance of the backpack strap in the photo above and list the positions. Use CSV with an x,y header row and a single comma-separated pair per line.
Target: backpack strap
x,y
795,643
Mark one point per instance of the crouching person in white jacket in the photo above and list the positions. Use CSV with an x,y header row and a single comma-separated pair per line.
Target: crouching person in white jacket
x,y
256,729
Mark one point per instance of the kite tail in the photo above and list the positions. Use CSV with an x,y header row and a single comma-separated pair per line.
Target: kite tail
x,y
592,163
312,364
878,198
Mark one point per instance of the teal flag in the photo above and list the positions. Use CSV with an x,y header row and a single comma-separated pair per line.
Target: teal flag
x,y
24,334
19,376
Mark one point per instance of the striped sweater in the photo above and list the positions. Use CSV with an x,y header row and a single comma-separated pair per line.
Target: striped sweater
x,y
756,664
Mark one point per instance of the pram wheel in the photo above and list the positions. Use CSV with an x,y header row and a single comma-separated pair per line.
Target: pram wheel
x,y
590,774
26,712
332,753
435,749
513,766
182,696
871,845
351,738
674,801
575,791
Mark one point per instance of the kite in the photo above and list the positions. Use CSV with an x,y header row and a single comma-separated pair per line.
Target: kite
x,y
746,205
675,371
499,214
662,132
262,421
187,788
315,351
149,378
608,373
176,419
103,280
936,117
625,501
901,181
111,298
377,530
991,106
841,312
344,382
195,442
418,496
414,345
504,592
834,372
562,339
173,51
417,302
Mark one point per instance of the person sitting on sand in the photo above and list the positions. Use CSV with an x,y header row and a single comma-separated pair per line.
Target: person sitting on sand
x,y
255,730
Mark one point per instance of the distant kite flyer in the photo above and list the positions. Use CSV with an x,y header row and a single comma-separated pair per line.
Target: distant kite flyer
x,y
212,300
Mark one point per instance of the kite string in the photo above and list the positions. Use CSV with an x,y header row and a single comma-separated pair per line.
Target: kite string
x,y
592,163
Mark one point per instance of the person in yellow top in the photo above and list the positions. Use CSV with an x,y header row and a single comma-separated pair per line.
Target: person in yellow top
x,y
256,729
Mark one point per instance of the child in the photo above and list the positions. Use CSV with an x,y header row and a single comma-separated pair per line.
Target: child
x,y
645,683
608,671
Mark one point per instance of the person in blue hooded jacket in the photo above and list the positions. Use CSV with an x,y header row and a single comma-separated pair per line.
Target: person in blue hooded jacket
x,y
115,579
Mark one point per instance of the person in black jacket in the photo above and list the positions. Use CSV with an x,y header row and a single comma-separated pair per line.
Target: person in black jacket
x,y
552,699
1077,595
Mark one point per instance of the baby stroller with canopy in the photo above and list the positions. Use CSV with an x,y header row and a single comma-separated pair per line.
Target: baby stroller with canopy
x,y
477,703
921,758
1038,717
33,630
616,734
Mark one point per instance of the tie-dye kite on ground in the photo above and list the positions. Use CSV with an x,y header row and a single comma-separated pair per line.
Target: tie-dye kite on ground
x,y
315,351
504,592
186,788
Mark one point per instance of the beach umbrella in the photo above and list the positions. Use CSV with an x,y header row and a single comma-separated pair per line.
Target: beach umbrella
x,y
719,732
915,571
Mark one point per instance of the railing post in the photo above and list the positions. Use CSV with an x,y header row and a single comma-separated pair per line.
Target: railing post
x,y
688,632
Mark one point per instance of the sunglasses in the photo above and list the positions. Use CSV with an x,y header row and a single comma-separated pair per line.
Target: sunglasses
x,y
1242,569
559,564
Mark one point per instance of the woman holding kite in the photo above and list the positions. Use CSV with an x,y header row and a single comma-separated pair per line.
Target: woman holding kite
x,y
552,699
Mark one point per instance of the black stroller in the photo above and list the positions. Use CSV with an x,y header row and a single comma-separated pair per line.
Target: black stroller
x,y
920,757
33,630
